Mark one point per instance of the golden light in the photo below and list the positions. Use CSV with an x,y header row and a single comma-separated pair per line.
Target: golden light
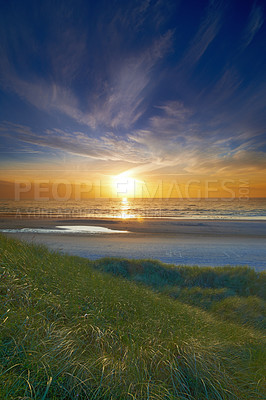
x,y
125,208
124,186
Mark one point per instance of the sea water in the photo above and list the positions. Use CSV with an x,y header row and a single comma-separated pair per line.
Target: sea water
x,y
234,209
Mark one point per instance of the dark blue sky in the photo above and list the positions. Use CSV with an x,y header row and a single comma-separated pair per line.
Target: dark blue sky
x,y
154,87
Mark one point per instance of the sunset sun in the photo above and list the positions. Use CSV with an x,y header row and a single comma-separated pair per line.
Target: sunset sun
x,y
124,186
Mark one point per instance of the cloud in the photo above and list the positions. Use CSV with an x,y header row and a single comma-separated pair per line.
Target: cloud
x,y
118,105
136,15
224,88
241,162
255,22
130,93
208,29
107,147
171,143
123,105
176,143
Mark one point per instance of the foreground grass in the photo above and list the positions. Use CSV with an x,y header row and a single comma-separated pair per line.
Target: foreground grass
x,y
70,331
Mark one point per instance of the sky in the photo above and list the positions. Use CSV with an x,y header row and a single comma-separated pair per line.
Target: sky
x,y
156,90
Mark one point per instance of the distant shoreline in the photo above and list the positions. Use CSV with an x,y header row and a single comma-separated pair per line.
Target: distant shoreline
x,y
118,218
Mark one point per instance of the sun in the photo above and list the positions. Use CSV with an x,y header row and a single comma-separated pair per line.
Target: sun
x,y
124,186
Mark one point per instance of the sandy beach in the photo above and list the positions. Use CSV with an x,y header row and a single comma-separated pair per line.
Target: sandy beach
x,y
182,242
149,225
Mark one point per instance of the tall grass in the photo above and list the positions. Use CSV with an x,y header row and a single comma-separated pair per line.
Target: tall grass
x,y
234,293
69,331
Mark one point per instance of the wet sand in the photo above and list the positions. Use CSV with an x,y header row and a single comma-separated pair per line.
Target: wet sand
x,y
182,242
150,225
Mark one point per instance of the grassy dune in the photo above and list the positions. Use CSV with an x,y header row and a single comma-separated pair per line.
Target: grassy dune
x,y
233,293
70,329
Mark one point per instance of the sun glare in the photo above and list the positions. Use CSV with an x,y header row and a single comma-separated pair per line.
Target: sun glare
x,y
124,186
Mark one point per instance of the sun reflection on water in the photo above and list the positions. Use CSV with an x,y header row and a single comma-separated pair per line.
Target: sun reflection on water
x,y
125,209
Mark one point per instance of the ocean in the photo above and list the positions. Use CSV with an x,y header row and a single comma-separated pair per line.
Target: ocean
x,y
233,209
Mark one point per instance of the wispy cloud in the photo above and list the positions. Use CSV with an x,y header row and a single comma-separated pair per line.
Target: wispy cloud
x,y
171,142
218,94
119,105
107,147
123,105
208,29
255,22
174,141
135,86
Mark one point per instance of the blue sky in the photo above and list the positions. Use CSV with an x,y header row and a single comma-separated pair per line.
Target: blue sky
x,y
150,87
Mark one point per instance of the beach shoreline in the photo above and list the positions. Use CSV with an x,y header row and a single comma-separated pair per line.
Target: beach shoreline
x,y
148,225
180,242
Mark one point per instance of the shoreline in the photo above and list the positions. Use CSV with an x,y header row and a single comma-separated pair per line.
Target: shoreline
x,y
180,242
26,217
221,227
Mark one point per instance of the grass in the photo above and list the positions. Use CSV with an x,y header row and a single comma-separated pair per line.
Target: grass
x,y
232,293
70,329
